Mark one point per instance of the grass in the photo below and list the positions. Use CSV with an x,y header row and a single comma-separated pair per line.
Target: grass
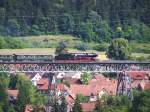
x,y
51,41
42,51
51,51
140,47
46,44
140,54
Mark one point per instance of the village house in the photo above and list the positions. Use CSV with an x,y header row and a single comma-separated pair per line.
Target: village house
x,y
12,95
137,78
144,86
98,86
88,107
34,77
42,85
73,75
28,108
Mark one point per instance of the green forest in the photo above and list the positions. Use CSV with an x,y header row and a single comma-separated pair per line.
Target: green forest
x,y
90,20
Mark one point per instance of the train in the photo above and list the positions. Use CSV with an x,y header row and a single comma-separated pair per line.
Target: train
x,y
66,57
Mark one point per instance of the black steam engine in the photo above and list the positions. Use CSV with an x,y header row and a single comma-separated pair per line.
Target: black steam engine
x,y
76,57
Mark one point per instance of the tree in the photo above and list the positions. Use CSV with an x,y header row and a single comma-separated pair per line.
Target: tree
x,y
25,95
61,16
56,106
119,32
141,102
2,43
3,95
85,30
99,107
85,78
83,99
113,104
61,48
119,49
63,106
13,27
77,106
14,43
66,24
35,30
4,80
28,94
13,81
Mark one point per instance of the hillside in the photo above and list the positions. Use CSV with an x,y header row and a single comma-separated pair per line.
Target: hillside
x,y
91,20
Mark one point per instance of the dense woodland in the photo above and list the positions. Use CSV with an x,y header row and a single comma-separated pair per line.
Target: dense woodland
x,y
91,20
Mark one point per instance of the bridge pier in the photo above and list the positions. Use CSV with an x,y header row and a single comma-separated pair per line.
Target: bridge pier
x,y
124,85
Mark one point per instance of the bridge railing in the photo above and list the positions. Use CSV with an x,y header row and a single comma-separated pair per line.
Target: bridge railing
x,y
73,67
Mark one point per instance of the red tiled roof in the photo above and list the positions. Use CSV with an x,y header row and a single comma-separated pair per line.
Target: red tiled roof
x,y
80,89
42,84
135,83
69,100
137,75
88,107
28,108
61,87
144,85
147,86
97,84
72,80
13,93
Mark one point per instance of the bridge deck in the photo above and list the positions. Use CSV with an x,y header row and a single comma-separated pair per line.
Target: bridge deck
x,y
107,66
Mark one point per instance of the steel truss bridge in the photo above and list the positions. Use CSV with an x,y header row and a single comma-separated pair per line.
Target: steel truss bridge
x,y
108,66
121,67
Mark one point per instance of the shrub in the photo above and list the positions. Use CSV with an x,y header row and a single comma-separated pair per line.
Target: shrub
x,y
140,48
14,43
67,83
83,99
119,49
101,47
2,43
82,47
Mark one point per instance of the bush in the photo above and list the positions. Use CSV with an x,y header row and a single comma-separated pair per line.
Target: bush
x,y
83,99
13,27
2,43
14,43
35,30
82,47
85,78
119,49
101,47
140,48
141,58
110,75
67,83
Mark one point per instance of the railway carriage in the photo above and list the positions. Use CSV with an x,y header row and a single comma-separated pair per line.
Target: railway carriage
x,y
6,58
34,58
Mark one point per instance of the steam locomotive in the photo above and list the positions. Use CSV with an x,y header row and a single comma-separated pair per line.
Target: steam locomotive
x,y
67,57
76,57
